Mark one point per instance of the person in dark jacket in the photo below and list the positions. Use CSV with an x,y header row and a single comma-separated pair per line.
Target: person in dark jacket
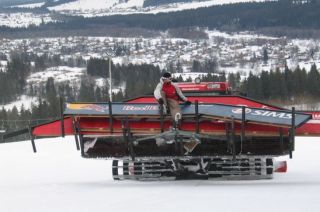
x,y
169,94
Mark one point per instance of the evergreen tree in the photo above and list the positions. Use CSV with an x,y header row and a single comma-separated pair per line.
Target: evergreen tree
x,y
86,93
265,56
98,95
253,87
265,85
4,119
196,66
52,97
277,89
313,79
13,116
300,81
69,94
289,80
179,67
232,80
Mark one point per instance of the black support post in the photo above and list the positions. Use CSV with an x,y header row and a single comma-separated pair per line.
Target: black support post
x,y
32,140
127,136
124,135
110,117
196,106
243,125
81,144
233,140
61,116
181,146
161,118
75,130
80,138
176,143
292,131
227,128
130,142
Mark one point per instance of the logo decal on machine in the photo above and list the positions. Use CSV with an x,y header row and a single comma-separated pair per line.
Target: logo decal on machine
x,y
263,113
239,110
140,108
93,107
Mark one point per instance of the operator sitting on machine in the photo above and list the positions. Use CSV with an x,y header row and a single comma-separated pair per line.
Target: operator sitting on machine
x,y
168,94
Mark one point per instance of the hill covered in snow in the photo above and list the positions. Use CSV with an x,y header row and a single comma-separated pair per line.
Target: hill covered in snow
x,y
36,13
91,8
112,7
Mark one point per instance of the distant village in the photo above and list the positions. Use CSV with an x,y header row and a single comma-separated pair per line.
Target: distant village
x,y
241,52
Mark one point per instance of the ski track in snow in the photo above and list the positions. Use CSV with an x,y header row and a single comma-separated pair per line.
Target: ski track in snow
x,y
58,179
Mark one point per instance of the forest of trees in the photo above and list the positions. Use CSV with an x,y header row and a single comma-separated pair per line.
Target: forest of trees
x,y
13,80
283,85
139,79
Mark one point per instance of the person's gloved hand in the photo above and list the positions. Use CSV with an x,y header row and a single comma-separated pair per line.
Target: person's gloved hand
x,y
160,101
187,102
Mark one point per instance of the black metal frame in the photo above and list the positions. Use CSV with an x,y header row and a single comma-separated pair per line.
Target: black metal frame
x,y
197,116
61,116
292,132
110,117
32,140
230,132
243,126
161,118
127,135
75,129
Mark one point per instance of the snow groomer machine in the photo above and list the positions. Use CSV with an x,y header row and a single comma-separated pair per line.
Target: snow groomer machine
x,y
220,136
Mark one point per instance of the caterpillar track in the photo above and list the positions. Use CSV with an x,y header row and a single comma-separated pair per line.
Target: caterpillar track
x,y
224,168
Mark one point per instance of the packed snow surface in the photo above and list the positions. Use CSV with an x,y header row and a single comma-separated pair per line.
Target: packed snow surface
x,y
58,179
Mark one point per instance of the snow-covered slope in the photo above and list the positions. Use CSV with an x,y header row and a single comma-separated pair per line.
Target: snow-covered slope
x,y
92,8
58,179
111,7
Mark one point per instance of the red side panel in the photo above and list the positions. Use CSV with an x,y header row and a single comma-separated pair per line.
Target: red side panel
x,y
100,126
54,128
312,127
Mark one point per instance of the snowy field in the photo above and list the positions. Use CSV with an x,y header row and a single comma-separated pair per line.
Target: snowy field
x,y
58,179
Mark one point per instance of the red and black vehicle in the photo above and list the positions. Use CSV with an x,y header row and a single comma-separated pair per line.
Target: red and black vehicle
x,y
221,135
